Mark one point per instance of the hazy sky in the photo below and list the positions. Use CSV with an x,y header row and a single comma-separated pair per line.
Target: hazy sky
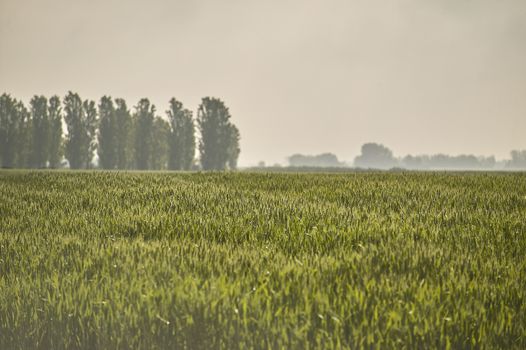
x,y
298,76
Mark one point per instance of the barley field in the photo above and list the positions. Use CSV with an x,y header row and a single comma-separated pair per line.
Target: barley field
x,y
131,260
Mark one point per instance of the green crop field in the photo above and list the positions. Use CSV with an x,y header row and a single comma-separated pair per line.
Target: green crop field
x,y
114,260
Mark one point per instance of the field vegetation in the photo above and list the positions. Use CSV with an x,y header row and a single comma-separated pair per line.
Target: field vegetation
x,y
115,260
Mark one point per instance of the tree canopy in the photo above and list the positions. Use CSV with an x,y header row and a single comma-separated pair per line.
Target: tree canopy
x,y
119,138
219,143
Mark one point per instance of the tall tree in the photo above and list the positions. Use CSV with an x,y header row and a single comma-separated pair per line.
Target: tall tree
x,y
123,133
181,137
107,148
233,147
143,138
90,125
81,119
40,131
55,132
10,124
213,119
75,145
161,132
188,133
23,144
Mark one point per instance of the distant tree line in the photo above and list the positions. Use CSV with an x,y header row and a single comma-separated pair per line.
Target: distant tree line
x,y
326,160
517,161
377,156
33,137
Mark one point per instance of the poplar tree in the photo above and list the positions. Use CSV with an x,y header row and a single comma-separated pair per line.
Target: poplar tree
x,y
123,135
213,119
90,124
40,132
55,132
81,119
23,144
233,147
188,134
143,138
159,155
10,126
75,140
107,147
181,137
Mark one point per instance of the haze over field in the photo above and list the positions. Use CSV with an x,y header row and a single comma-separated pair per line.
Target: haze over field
x,y
298,76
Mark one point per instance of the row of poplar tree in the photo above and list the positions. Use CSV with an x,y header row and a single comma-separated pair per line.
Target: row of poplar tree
x,y
33,137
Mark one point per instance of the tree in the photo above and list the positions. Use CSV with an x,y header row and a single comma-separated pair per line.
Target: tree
x,y
123,133
161,132
517,161
10,126
213,119
188,134
55,132
23,144
107,148
143,120
40,131
375,156
233,147
90,112
415,162
81,121
75,146
181,137
447,162
320,160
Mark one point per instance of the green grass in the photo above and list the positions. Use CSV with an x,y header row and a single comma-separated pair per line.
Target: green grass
x,y
237,260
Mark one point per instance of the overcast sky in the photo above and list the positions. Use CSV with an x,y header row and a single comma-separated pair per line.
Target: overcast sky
x,y
298,76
